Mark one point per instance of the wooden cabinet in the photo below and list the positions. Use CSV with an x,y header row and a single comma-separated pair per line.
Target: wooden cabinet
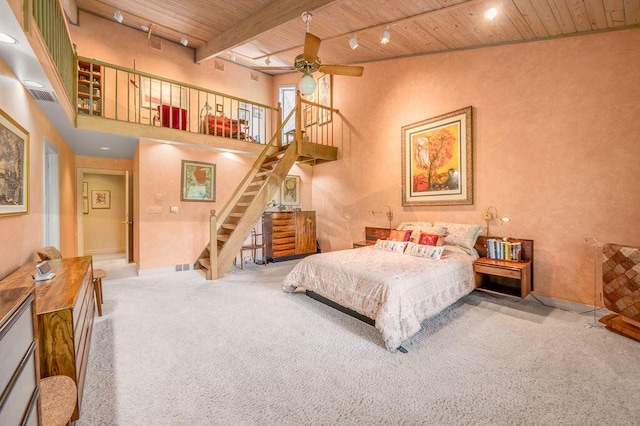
x,y
507,277
89,88
289,235
18,353
65,307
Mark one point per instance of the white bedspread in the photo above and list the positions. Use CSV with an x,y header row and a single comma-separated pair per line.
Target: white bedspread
x,y
396,290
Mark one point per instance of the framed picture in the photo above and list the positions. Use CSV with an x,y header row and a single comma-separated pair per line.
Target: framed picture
x,y
100,199
14,161
290,191
85,189
85,206
325,98
220,109
309,119
198,181
437,160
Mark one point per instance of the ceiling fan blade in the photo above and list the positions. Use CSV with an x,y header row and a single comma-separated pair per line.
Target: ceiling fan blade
x,y
354,71
311,47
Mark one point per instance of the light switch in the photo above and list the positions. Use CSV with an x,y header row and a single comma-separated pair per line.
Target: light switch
x,y
174,209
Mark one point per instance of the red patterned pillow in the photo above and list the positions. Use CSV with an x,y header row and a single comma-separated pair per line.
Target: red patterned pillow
x,y
395,235
431,239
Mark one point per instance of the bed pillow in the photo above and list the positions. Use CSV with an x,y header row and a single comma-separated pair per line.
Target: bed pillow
x,y
431,239
459,234
415,235
421,250
391,246
395,235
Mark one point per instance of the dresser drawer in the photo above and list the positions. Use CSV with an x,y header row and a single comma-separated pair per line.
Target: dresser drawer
x,y
17,336
16,404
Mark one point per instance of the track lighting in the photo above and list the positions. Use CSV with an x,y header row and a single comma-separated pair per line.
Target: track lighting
x,y
386,35
307,84
118,17
267,61
354,42
184,40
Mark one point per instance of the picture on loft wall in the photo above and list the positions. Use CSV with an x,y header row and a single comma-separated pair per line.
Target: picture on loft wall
x,y
198,181
100,199
437,163
14,167
325,98
290,191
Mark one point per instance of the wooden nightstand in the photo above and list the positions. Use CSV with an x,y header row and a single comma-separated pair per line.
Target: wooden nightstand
x,y
371,235
503,276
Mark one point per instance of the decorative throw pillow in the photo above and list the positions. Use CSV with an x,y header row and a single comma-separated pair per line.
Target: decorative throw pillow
x,y
432,239
390,246
420,250
461,235
395,235
415,236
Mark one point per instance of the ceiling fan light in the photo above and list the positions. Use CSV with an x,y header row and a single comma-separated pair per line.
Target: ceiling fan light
x,y
307,84
354,42
118,17
386,35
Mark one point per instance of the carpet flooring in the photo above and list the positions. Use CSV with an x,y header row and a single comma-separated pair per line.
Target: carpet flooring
x,y
176,349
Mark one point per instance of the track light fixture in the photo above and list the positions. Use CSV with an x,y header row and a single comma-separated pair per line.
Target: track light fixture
x,y
386,35
354,42
184,40
118,17
267,61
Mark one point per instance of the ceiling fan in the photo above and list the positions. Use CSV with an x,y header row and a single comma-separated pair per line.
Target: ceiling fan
x,y
308,62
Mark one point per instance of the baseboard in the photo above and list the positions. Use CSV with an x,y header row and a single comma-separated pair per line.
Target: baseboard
x,y
565,305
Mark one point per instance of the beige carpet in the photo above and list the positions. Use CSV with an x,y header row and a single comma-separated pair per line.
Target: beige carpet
x,y
180,350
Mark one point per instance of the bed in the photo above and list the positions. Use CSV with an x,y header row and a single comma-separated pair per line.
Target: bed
x,y
389,282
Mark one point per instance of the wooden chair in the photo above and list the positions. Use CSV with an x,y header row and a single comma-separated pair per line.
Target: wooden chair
x,y
254,247
58,396
50,252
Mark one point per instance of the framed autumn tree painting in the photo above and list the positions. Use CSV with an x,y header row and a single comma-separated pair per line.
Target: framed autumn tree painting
x,y
437,160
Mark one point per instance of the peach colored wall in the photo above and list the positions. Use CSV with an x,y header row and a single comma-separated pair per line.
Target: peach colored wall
x,y
167,239
555,142
88,162
21,235
108,41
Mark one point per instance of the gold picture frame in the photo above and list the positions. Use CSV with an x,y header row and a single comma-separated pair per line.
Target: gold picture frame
x,y
14,157
437,160
290,191
198,182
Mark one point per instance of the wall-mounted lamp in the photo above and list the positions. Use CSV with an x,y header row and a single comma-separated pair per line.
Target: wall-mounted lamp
x,y
354,42
118,17
307,84
184,40
389,214
491,214
205,109
386,35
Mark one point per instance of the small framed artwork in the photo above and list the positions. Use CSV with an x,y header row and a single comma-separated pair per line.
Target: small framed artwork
x,y
220,109
85,205
85,189
14,161
100,199
198,181
290,191
325,98
309,119
437,160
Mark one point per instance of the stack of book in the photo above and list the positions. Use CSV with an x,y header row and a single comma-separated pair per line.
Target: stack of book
x,y
504,249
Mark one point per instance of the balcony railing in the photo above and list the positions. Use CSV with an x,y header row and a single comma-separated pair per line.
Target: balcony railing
x,y
124,94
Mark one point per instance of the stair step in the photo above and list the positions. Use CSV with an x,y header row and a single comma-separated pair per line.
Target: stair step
x,y
230,226
205,263
223,237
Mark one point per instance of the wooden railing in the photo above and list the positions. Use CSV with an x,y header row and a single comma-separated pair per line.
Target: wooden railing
x,y
52,26
137,97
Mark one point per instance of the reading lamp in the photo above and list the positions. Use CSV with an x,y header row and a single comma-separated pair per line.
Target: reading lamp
x,y
389,214
206,108
492,213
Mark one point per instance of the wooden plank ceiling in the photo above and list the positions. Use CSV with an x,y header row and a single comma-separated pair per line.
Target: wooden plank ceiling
x,y
254,32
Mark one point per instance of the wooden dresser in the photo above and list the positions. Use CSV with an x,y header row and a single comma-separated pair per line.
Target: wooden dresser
x,y
65,306
19,376
289,235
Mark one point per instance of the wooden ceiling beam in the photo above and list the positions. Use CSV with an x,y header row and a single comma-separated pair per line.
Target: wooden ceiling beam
x,y
275,14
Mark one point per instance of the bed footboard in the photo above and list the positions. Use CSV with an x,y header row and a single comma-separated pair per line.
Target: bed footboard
x,y
621,289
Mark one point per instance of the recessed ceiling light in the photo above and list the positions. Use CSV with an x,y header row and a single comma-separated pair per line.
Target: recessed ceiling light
x,y
32,84
6,38
490,14
105,148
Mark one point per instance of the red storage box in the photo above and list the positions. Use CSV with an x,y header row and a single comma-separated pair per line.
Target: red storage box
x,y
177,119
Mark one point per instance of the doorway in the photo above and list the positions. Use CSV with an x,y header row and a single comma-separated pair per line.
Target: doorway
x,y
51,196
287,98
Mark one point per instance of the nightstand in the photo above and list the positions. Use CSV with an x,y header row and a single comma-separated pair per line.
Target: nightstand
x,y
503,276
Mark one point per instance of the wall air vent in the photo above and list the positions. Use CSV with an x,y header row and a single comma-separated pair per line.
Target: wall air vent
x,y
43,95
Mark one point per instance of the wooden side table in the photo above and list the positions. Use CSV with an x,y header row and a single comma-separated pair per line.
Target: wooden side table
x,y
503,276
